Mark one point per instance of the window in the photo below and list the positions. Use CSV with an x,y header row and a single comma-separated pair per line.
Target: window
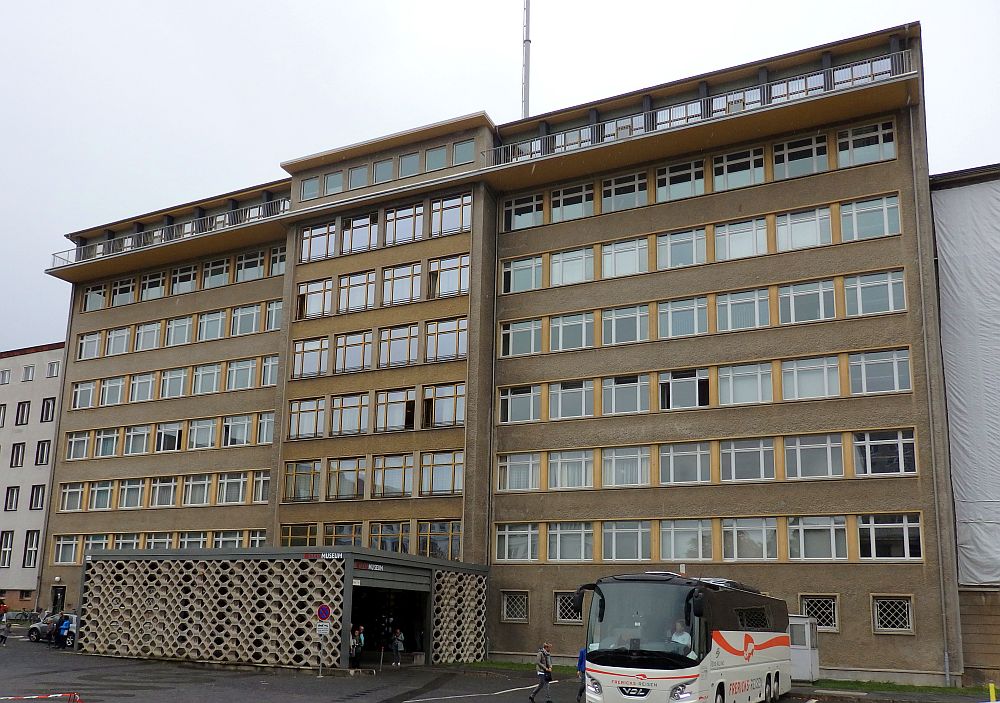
x,y
357,177
392,476
349,414
137,439
749,538
817,537
404,224
249,267
738,169
173,383
52,369
738,240
215,273
685,540
232,488
623,192
572,203
32,540
679,249
800,157
892,614
17,455
106,442
571,399
28,373
568,332
522,275
123,292
241,374
246,320
256,538
880,372
884,452
394,410
823,609
130,493
575,266
147,336
571,541
317,242
346,479
117,341
680,390
261,486
565,610
178,331
625,394
814,456
227,539
451,215
162,492
5,376
302,479
269,371
309,188
36,500
519,213
141,387
277,261
197,489
94,298
272,320
48,410
750,383
6,548
685,463
800,230
447,339
310,357
390,536
409,165
571,469
10,499
520,404
625,466
441,539
265,428
83,394
333,183
88,347
624,258
448,276
201,434
359,233
435,158
463,152
865,219
626,540
514,606
802,379
298,535
398,345
71,496
889,536
623,325
682,318
444,405
314,299
356,291
95,543
66,549
236,430
77,445
520,338
517,542
680,181
192,540
747,459
307,418
126,540
518,472
183,279
207,379
806,302
865,145
383,170
875,293
441,473
354,352
101,494
112,391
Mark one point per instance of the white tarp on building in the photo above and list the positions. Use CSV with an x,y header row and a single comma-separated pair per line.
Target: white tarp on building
x,y
967,224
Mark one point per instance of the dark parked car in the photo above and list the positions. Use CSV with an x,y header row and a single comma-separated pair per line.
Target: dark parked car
x,y
45,629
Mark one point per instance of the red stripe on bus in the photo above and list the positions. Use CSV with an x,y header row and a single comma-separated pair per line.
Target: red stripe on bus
x,y
749,646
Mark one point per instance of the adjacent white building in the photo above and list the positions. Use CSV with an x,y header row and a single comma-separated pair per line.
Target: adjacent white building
x,y
30,380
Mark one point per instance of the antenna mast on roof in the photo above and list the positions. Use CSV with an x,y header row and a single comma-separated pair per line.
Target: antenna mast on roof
x,y
526,65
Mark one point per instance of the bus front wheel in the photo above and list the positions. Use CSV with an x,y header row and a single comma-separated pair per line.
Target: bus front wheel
x,y
720,696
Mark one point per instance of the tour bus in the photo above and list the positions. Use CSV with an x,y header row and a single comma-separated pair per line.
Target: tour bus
x,y
662,636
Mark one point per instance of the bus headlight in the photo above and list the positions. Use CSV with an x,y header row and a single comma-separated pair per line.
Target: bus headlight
x,y
594,686
680,692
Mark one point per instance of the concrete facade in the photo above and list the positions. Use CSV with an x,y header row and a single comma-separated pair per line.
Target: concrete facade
x,y
476,452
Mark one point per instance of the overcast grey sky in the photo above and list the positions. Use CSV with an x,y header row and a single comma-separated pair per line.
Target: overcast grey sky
x,y
115,108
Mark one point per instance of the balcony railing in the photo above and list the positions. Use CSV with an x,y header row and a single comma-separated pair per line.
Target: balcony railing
x,y
169,233
713,107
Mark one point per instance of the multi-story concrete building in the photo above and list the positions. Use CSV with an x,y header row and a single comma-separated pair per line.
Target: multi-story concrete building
x,y
688,328
30,379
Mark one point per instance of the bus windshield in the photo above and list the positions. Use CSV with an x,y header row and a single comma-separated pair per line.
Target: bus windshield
x,y
643,624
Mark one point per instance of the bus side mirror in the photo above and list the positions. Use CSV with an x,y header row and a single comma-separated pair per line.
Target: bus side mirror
x,y
578,596
698,605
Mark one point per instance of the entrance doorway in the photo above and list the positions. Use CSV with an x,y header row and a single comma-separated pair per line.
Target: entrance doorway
x,y
58,598
381,610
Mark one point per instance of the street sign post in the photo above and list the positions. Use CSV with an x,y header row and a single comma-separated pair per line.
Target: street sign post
x,y
322,630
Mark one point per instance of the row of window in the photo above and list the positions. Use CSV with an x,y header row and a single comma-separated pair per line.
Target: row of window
x,y
200,327
29,556
390,227
18,451
380,476
822,538
739,169
28,372
203,433
443,340
889,452
36,499
69,549
22,414
234,375
441,538
869,373
400,284
248,266
225,488
863,219
388,169
810,301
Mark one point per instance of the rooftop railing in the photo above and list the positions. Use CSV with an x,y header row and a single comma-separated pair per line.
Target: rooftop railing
x,y
169,233
713,107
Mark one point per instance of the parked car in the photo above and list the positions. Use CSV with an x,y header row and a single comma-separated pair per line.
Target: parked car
x,y
45,629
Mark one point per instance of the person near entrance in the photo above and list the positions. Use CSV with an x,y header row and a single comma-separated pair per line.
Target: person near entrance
x,y
397,647
355,653
543,668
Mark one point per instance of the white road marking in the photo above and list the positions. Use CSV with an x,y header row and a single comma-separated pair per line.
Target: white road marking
x,y
474,695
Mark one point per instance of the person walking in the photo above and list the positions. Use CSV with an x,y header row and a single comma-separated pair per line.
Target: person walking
x,y
397,647
4,632
543,669
64,628
581,673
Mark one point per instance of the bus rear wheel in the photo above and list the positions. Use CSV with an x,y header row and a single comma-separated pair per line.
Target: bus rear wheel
x,y
776,689
767,690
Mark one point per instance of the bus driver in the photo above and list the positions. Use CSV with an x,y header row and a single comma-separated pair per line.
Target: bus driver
x,y
681,637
